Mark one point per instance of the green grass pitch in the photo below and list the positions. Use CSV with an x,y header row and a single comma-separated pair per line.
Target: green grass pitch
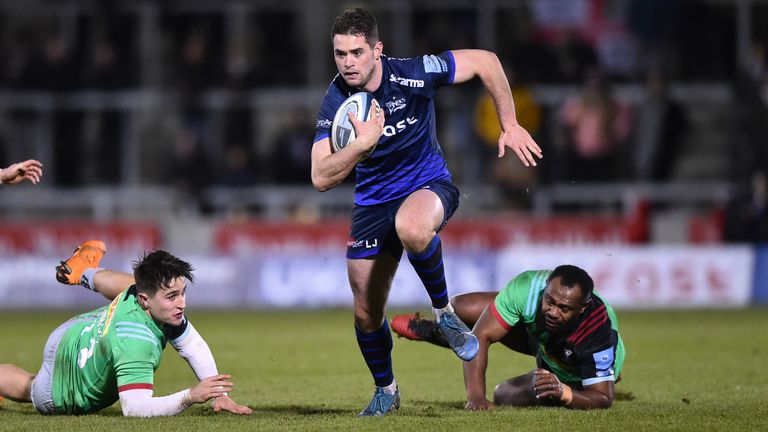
x,y
685,370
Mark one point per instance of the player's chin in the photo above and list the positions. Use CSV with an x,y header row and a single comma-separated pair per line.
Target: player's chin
x,y
175,320
353,80
552,325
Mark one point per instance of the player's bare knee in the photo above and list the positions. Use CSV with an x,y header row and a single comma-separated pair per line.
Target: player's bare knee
x,y
507,393
415,238
368,320
461,301
501,394
368,325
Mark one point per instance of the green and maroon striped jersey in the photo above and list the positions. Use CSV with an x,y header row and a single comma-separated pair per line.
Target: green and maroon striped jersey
x,y
590,351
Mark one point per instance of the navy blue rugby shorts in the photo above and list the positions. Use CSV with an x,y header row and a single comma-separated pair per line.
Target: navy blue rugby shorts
x,y
373,227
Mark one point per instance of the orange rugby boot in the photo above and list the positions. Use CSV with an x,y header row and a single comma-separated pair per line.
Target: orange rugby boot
x,y
87,255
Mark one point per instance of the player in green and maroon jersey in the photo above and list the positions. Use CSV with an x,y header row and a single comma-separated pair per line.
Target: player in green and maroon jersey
x,y
552,315
94,359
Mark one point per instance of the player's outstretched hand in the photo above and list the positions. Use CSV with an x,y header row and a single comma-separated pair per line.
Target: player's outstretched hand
x,y
481,404
225,403
209,388
368,132
30,170
519,140
546,385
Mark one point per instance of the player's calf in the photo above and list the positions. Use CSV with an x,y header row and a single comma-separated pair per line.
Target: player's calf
x,y
15,383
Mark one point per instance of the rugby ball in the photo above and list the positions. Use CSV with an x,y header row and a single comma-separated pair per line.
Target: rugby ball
x,y
342,132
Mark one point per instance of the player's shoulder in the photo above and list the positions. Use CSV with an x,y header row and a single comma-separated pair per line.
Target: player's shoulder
x,y
335,94
338,89
133,333
594,330
522,292
426,63
529,280
414,74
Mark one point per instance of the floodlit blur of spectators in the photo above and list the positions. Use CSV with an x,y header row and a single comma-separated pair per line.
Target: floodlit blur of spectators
x,y
138,93
513,179
594,127
290,160
659,129
747,213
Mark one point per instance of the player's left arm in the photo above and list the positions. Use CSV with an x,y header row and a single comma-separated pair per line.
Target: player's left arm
x,y
546,385
192,347
470,63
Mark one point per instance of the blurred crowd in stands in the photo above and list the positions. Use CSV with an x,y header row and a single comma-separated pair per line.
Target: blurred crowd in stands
x,y
585,48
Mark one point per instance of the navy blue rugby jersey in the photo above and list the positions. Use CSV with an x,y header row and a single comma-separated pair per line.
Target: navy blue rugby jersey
x,y
408,154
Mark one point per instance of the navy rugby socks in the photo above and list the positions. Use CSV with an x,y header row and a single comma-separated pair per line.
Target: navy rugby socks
x,y
376,348
429,266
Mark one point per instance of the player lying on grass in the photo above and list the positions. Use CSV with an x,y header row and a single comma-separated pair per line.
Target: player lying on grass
x,y
111,353
552,315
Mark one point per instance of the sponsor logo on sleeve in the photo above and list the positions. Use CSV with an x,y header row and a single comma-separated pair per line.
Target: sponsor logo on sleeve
x,y
604,362
323,123
434,64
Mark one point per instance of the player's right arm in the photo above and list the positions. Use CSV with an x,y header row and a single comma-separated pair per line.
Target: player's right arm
x,y
29,169
597,395
488,331
328,168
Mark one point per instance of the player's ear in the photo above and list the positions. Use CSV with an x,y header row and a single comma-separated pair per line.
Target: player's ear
x,y
586,303
377,50
143,299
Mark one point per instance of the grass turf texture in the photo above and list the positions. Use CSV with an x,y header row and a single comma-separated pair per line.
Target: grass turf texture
x,y
685,370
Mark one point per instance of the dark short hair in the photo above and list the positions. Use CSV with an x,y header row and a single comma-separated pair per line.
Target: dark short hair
x,y
157,269
357,22
571,276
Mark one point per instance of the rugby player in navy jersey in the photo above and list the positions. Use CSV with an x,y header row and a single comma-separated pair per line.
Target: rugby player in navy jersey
x,y
404,194
553,315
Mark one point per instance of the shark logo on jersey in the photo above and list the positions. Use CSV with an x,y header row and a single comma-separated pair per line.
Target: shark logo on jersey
x,y
324,123
408,82
434,64
397,105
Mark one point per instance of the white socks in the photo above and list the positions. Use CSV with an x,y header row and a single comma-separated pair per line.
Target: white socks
x,y
440,312
390,389
88,274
